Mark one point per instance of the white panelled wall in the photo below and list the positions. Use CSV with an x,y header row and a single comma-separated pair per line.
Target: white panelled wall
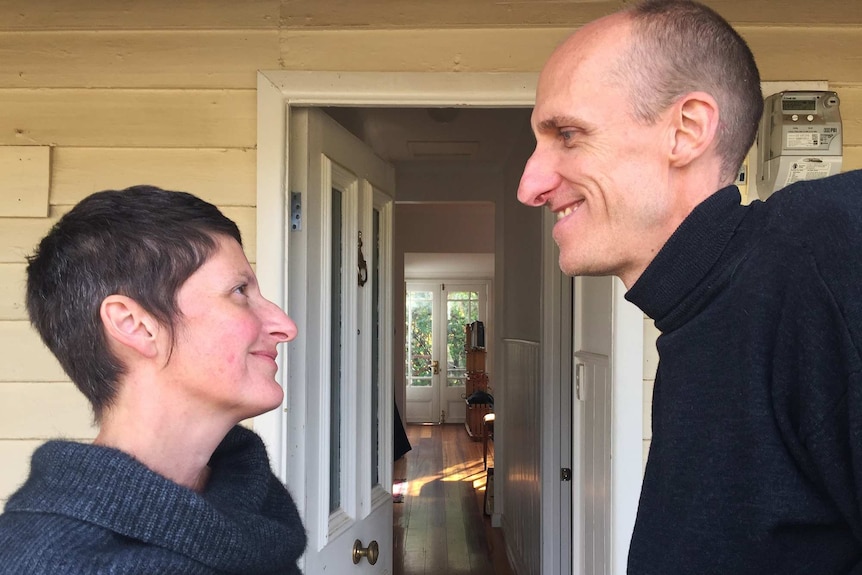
x,y
520,487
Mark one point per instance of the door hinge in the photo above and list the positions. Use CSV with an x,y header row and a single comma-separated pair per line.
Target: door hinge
x,y
565,474
295,211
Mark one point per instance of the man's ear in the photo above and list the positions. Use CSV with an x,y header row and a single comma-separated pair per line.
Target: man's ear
x,y
128,324
696,123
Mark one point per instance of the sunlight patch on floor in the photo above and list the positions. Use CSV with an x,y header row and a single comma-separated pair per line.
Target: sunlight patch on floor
x,y
464,472
414,488
399,490
474,474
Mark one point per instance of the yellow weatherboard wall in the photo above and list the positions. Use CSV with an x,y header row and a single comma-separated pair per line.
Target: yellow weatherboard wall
x,y
97,94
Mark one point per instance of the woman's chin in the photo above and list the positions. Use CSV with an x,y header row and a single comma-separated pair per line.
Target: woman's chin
x,y
265,401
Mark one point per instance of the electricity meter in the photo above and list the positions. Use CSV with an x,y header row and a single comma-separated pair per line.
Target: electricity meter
x,y
799,139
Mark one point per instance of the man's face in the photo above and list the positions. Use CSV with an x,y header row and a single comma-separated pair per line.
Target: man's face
x,y
601,172
223,361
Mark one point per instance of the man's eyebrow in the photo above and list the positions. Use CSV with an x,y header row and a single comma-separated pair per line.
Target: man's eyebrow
x,y
554,122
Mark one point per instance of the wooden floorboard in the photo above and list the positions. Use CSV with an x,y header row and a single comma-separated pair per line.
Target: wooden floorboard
x,y
440,527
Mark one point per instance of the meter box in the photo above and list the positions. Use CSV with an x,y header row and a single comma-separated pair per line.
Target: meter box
x,y
800,138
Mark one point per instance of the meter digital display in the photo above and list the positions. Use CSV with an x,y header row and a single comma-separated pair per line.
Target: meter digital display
x,y
799,105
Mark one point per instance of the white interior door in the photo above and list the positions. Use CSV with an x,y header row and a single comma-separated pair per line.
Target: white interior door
x,y
340,370
607,418
593,309
436,371
422,371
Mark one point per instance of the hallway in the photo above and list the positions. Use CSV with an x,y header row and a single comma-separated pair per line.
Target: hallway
x,y
440,527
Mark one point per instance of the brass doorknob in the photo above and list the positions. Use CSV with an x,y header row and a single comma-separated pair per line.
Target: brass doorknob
x,y
371,552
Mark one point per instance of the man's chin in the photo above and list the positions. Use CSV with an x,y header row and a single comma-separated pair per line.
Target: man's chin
x,y
571,268
580,268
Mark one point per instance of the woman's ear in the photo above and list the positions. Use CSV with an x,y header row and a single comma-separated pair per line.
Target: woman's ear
x,y
696,125
129,325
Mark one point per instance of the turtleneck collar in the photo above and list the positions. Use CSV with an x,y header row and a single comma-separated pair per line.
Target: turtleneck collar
x,y
687,258
243,521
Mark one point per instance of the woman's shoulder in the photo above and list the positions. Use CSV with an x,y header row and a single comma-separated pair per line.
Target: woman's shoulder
x,y
52,544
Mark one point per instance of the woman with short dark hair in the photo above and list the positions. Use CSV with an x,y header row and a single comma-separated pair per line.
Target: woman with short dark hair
x,y
147,300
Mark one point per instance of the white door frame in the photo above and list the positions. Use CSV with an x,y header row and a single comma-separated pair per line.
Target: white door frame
x,y
276,91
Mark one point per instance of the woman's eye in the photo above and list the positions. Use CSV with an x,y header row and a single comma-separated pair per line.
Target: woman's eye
x,y
241,289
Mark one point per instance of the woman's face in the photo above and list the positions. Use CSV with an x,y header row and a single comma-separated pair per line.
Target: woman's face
x,y
223,360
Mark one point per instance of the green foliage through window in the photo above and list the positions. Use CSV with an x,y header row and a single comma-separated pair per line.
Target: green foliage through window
x,y
462,308
418,352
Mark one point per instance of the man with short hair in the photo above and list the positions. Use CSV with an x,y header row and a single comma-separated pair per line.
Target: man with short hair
x,y
642,120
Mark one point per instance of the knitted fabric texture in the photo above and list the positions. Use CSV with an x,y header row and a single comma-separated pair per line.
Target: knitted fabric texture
x,y
93,509
755,464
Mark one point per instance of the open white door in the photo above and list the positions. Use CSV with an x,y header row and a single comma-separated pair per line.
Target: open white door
x,y
592,333
340,370
607,417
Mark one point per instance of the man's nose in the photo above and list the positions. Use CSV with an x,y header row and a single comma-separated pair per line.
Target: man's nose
x,y
536,181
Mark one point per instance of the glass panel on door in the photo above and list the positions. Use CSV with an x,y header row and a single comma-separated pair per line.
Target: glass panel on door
x,y
335,354
419,338
462,308
375,349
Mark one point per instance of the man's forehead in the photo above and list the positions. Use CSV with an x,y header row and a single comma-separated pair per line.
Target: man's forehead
x,y
563,77
597,39
589,57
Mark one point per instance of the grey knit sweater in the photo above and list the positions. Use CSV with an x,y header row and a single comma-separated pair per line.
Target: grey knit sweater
x,y
91,509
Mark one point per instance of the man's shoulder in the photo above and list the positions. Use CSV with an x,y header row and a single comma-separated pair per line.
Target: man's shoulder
x,y
840,194
810,234
823,215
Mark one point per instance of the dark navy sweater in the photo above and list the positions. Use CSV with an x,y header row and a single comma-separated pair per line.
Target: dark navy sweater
x,y
755,465
87,509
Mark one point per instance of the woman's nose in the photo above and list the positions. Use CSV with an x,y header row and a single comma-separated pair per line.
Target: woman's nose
x,y
281,326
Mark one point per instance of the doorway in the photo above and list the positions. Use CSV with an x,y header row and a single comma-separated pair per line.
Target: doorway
x,y
280,91
435,367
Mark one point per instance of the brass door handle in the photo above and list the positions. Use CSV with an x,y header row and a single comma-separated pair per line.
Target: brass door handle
x,y
371,552
435,367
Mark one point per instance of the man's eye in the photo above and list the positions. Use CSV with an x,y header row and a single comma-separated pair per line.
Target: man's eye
x,y
567,135
241,289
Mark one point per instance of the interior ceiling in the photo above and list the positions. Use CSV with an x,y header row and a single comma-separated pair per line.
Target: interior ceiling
x,y
401,135
430,265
